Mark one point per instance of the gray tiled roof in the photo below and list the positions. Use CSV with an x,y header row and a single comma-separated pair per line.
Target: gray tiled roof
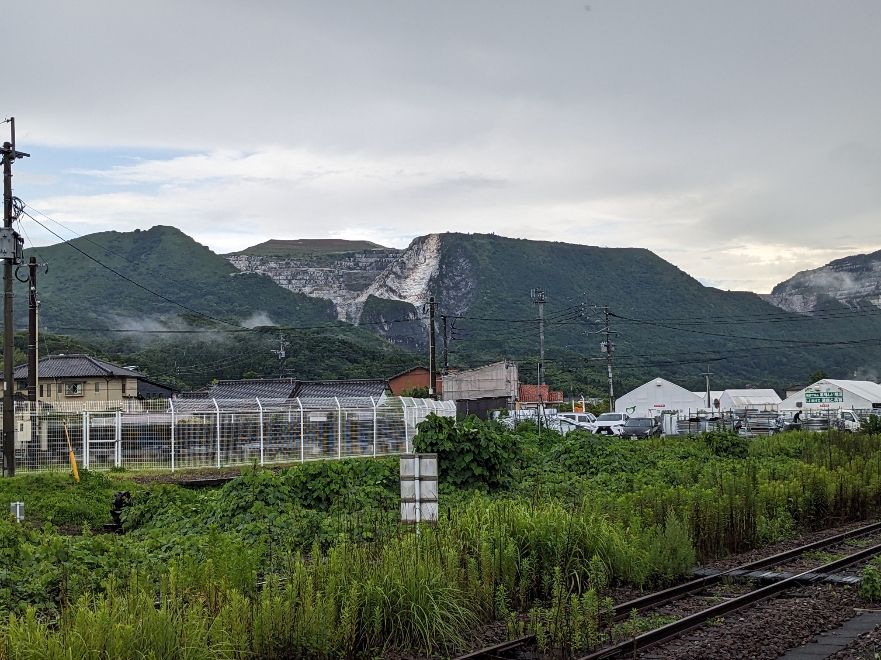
x,y
75,366
289,388
266,388
319,389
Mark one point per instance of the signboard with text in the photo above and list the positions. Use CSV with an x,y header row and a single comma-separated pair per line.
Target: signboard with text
x,y
824,397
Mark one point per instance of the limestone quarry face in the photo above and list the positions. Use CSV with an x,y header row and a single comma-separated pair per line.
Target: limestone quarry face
x,y
341,278
409,276
851,281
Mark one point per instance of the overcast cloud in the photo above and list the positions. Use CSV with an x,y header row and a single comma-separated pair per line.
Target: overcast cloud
x,y
740,141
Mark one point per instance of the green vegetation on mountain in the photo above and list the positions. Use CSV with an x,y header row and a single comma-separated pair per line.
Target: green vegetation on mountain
x,y
670,324
665,322
78,293
307,246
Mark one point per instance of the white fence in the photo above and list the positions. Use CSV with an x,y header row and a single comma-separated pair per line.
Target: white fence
x,y
185,434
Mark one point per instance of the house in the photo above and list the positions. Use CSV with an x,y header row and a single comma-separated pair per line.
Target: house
x,y
413,378
78,377
291,388
828,394
658,396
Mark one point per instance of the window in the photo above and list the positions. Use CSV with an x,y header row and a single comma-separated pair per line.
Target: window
x,y
49,389
123,387
73,389
41,390
97,386
21,385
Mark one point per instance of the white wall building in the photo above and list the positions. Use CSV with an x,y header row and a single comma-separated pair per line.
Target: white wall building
x,y
761,400
492,380
656,396
831,394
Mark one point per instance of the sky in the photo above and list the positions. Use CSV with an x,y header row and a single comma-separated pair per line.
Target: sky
x,y
739,141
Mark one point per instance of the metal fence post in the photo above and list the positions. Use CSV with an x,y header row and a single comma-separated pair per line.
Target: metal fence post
x,y
85,440
118,440
217,409
406,430
374,425
339,429
259,405
171,405
302,433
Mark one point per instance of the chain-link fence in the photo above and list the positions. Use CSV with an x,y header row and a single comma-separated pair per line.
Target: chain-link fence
x,y
184,434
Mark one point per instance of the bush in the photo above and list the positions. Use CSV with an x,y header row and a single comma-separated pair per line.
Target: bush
x,y
726,444
870,584
470,453
871,424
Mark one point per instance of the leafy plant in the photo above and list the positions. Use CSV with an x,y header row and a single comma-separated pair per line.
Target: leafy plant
x,y
471,453
871,424
727,444
870,583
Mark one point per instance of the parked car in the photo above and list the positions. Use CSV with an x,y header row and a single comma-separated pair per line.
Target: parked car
x,y
610,423
641,427
581,420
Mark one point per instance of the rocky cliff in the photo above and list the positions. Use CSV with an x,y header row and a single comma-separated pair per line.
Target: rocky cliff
x,y
380,287
852,281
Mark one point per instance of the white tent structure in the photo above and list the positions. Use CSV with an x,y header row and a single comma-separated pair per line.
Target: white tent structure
x,y
828,394
657,396
761,400
715,398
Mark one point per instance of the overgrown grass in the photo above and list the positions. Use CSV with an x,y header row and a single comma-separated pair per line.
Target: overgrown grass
x,y
312,562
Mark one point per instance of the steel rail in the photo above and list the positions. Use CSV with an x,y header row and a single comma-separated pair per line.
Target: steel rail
x,y
659,598
687,588
491,651
686,624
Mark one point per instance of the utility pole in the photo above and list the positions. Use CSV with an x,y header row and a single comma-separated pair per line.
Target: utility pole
x,y
432,358
607,347
10,252
32,330
709,402
446,346
538,298
281,353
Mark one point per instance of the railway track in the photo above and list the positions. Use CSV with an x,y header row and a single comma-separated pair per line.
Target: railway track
x,y
780,582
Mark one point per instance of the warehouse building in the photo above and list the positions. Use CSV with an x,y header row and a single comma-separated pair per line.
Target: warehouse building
x,y
750,399
828,394
658,396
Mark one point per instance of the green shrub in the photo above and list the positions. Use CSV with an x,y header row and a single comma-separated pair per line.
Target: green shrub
x,y
871,424
870,583
471,453
727,444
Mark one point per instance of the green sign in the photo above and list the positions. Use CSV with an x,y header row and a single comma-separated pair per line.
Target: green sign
x,y
824,397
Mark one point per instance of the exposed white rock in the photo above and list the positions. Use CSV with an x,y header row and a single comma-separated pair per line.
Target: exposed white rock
x,y
348,279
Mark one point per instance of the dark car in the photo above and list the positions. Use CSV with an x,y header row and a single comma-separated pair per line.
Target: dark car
x,y
641,427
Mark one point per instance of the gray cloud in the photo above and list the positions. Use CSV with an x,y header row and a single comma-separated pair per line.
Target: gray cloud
x,y
738,140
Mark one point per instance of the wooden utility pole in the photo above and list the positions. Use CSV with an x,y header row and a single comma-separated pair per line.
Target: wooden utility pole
x,y
11,254
432,358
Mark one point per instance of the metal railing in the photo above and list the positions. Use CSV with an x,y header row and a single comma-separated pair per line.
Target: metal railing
x,y
180,434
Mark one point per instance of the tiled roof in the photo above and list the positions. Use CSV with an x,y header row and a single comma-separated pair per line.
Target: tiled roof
x,y
75,366
321,389
265,388
407,371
